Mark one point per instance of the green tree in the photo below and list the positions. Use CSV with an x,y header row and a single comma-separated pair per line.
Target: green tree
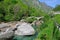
x,y
57,8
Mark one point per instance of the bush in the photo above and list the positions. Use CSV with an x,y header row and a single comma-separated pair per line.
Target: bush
x,y
48,31
30,20
36,13
9,17
57,8
57,18
1,0
16,9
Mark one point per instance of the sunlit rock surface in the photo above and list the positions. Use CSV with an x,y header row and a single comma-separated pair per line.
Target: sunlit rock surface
x,y
25,29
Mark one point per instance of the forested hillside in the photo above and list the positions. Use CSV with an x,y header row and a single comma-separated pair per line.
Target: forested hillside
x,y
13,10
57,8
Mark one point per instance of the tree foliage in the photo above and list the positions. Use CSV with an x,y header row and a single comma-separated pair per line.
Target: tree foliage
x,y
14,10
57,8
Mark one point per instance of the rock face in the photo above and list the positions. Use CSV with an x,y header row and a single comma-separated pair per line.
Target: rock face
x,y
37,4
56,13
25,29
3,25
6,34
5,31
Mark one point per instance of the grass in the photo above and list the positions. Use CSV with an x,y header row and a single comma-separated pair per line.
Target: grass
x,y
57,18
48,31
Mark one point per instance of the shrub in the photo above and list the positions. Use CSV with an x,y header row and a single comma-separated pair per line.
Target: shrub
x,y
57,8
30,20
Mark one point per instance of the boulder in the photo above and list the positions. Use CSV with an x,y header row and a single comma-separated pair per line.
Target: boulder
x,y
6,34
25,29
3,25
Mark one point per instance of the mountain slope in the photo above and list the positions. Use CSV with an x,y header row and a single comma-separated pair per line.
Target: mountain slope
x,y
37,4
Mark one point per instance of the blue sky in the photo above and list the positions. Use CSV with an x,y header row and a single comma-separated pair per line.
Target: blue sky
x,y
51,3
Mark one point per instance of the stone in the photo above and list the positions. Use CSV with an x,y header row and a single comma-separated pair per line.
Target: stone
x,y
3,25
25,29
6,34
37,22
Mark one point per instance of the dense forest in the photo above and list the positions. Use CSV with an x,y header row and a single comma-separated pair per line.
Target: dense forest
x,y
14,10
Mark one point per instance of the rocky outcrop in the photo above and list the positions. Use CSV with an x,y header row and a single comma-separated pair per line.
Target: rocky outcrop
x,y
37,4
7,34
6,31
25,29
56,13
10,29
4,25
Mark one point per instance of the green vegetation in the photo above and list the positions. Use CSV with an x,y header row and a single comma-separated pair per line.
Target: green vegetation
x,y
47,31
57,8
15,10
30,20
57,18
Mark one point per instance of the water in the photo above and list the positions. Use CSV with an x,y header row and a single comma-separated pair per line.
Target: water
x,y
31,37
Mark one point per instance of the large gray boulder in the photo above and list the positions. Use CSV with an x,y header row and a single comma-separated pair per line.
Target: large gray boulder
x,y
5,31
8,33
25,29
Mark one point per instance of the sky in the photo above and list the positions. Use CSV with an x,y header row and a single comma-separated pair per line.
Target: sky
x,y
51,3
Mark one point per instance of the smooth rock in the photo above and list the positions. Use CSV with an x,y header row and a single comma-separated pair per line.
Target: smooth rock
x,y
7,33
3,25
25,29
